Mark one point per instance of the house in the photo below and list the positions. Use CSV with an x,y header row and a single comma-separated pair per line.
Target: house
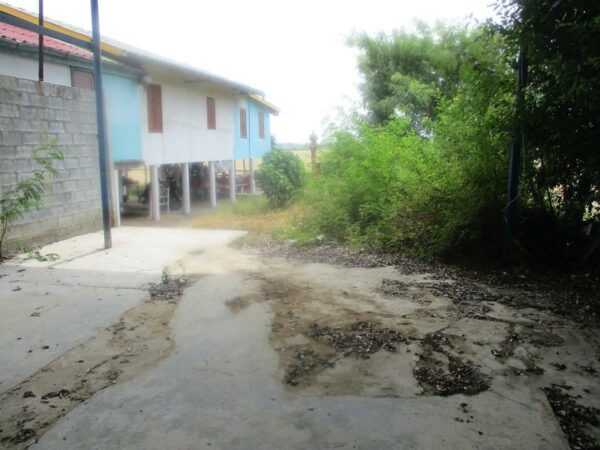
x,y
180,124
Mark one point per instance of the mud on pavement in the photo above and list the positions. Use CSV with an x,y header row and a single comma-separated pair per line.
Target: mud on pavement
x,y
139,340
380,333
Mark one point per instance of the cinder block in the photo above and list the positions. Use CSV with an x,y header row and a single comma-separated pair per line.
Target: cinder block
x,y
62,114
9,110
56,127
10,137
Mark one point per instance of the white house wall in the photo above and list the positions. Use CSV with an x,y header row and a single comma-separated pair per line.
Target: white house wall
x,y
185,136
27,68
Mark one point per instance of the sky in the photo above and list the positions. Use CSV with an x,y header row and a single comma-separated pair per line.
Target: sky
x,y
294,51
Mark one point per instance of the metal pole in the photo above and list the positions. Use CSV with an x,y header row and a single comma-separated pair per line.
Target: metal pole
x,y
41,40
515,162
101,125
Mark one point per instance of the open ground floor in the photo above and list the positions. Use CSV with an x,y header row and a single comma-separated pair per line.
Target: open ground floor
x,y
175,338
151,190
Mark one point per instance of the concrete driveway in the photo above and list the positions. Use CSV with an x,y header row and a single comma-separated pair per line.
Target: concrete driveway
x,y
221,385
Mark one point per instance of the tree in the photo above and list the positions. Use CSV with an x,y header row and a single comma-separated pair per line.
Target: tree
x,y
28,193
561,112
408,75
280,175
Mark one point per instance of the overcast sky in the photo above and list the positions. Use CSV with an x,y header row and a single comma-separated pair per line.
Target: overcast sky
x,y
294,51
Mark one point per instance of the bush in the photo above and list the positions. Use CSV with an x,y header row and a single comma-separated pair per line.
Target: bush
x,y
280,176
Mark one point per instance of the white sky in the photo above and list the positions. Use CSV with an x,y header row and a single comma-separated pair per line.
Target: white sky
x,y
294,51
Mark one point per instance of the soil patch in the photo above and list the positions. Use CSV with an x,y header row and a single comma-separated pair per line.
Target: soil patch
x,y
574,418
138,341
440,372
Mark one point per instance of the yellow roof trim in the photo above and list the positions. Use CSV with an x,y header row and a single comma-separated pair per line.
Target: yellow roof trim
x,y
55,27
259,99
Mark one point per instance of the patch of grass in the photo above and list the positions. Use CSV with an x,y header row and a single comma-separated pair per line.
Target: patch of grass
x,y
251,214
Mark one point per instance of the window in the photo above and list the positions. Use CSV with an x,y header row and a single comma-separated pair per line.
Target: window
x,y
243,133
155,122
261,125
82,79
211,117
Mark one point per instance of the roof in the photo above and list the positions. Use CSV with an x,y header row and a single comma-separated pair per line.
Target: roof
x,y
270,106
125,52
22,36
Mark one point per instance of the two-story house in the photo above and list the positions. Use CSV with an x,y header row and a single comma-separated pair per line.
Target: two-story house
x,y
161,114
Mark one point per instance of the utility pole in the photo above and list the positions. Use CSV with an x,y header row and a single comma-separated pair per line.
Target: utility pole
x,y
515,161
41,40
102,153
313,152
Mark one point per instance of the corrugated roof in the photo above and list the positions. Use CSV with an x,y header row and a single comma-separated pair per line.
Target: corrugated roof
x,y
128,53
265,103
22,36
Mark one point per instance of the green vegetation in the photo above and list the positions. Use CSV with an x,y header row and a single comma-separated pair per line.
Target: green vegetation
x,y
425,169
253,214
28,193
280,175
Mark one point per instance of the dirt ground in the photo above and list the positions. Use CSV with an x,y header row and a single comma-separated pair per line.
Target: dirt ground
x,y
139,340
375,332
345,325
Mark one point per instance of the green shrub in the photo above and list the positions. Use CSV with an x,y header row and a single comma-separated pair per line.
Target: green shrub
x,y
28,193
280,176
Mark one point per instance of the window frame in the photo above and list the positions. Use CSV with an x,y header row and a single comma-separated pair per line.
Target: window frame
x,y
243,123
154,103
211,113
78,70
261,124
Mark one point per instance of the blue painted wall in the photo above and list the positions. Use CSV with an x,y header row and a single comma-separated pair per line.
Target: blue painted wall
x,y
253,146
124,117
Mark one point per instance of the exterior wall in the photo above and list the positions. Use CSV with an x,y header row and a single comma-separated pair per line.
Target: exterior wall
x,y
258,146
241,146
185,137
253,146
21,67
124,117
32,114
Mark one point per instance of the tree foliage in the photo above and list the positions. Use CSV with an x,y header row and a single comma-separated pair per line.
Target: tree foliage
x,y
427,186
561,113
28,193
427,168
280,175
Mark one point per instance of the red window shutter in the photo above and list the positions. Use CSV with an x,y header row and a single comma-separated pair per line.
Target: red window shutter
x,y
211,116
82,79
261,125
243,132
155,122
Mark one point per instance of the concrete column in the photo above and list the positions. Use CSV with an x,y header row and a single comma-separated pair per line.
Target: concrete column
x,y
154,193
252,180
212,184
185,183
116,197
232,181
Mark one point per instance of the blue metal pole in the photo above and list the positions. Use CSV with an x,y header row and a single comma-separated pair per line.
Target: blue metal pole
x,y
515,162
102,154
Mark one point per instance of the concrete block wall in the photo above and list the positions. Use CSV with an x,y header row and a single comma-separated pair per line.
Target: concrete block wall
x,y
33,114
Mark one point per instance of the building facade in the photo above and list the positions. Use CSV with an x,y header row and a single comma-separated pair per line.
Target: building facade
x,y
184,127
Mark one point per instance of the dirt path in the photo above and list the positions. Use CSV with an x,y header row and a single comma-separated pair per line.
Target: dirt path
x,y
338,336
377,332
138,341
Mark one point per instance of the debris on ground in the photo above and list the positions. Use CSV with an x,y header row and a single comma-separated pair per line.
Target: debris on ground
x,y
460,377
440,372
360,339
574,418
169,290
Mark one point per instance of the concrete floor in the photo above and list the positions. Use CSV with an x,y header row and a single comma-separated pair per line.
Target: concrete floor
x,y
221,388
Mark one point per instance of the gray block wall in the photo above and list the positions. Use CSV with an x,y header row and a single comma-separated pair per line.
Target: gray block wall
x,y
32,114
